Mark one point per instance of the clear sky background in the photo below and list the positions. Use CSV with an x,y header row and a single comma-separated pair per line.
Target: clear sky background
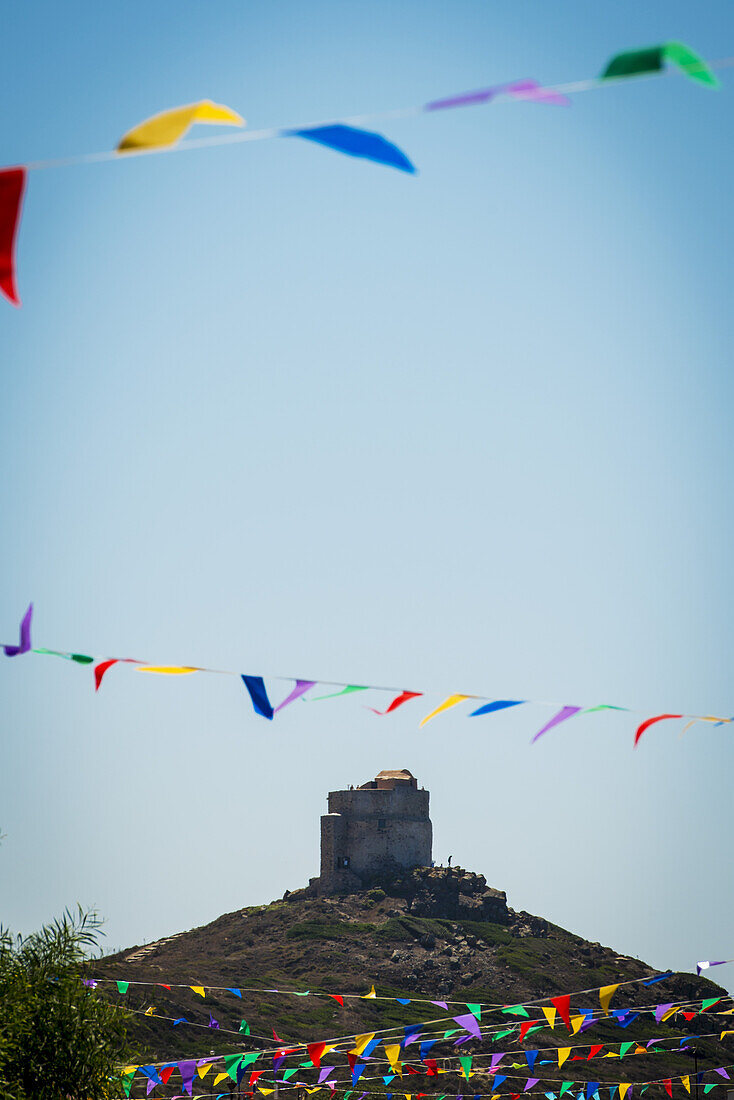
x,y
270,409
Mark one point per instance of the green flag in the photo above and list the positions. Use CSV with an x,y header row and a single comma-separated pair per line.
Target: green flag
x,y
624,1048
245,1027
565,1086
516,1010
651,59
466,1065
122,987
691,64
476,1010
232,1063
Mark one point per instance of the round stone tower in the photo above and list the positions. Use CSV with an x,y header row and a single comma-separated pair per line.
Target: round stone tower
x,y
378,828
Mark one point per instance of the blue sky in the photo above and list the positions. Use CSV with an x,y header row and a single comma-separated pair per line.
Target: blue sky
x,y
271,409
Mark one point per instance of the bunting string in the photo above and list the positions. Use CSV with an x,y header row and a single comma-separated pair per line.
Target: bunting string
x,y
163,132
259,696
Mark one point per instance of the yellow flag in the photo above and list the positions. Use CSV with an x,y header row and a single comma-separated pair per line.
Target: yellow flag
x,y
198,989
392,1053
369,996
668,1014
725,1033
266,1092
576,1022
563,1053
167,127
611,1054
686,1083
640,1050
550,1015
450,702
150,1011
203,1070
605,995
360,1042
166,670
220,1077
130,1069
624,1087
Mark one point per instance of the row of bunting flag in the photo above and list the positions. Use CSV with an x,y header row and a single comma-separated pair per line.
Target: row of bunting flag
x,y
303,689
165,130
360,1049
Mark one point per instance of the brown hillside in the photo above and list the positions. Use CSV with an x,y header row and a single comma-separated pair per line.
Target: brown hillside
x,y
431,932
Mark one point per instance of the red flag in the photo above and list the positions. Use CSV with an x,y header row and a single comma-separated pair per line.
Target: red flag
x,y
164,986
315,1050
256,1073
166,1073
277,1037
525,1028
668,1086
352,1059
99,671
12,184
563,1004
397,702
409,1069
431,1067
593,1051
338,998
650,721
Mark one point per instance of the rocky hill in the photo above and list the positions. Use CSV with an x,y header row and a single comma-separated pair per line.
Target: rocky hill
x,y
433,932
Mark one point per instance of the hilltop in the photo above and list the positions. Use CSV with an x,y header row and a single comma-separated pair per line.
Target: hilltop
x,y
433,932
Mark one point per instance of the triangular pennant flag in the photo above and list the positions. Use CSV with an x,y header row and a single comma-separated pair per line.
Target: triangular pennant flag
x,y
122,987
605,995
563,714
498,704
668,1086
360,1043
300,689
237,992
344,691
369,996
530,1082
592,1088
624,1048
564,1010
403,697
515,1010
709,1002
244,1027
315,1050
167,127
565,1086
203,1070
356,143
198,989
563,1053
476,1010
466,1066
24,641
469,1023
525,1027
550,1015
256,687
338,998
100,669
392,1053
576,1022
594,1050
686,1083
12,185
531,1057
662,1011
451,701
187,1070
646,725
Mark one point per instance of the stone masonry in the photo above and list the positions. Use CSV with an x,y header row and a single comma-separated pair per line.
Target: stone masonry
x,y
377,829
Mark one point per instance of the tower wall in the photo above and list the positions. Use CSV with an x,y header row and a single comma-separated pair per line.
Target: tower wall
x,y
376,829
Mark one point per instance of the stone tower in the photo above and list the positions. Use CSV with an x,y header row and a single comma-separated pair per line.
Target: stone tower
x,y
381,827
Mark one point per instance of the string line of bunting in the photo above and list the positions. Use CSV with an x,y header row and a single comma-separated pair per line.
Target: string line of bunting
x,y
237,1067
429,1032
302,690
164,131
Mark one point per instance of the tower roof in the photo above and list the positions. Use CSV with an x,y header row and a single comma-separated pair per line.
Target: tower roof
x,y
398,773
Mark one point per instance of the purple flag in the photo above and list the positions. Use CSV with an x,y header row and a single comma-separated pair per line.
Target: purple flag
x,y
187,1071
25,636
661,1010
705,964
563,714
530,1082
300,689
325,1071
212,1022
440,1004
496,1059
469,1023
521,89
